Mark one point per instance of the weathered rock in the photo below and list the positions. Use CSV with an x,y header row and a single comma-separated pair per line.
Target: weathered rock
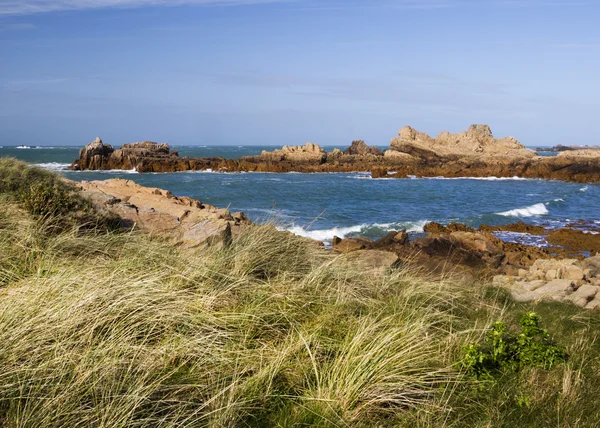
x,y
573,272
99,156
594,304
401,238
477,141
433,227
591,265
467,248
556,289
583,295
308,153
359,148
349,245
519,227
183,220
575,240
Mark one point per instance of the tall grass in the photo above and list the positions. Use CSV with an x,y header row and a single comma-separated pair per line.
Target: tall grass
x,y
110,329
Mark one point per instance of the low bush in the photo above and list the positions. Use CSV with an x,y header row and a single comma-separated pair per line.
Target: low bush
x,y
503,350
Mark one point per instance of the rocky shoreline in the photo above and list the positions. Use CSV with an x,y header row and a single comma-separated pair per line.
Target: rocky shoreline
x,y
473,153
558,272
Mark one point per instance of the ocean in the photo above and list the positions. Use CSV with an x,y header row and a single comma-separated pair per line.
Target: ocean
x,y
353,204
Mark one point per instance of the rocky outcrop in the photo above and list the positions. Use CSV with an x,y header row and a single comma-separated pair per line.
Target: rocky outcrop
x,y
359,148
474,153
571,280
183,220
478,141
100,156
95,155
308,153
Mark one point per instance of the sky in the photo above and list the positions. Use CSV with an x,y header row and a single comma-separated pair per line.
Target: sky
x,y
275,72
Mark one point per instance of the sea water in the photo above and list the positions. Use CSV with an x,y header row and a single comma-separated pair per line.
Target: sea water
x,y
322,205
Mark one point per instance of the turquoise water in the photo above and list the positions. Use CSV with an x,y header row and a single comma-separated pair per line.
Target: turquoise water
x,y
353,204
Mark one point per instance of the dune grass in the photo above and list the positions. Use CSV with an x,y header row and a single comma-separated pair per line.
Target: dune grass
x,y
113,329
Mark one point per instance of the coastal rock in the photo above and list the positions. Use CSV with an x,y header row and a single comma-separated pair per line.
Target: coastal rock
x,y
575,240
584,295
349,245
95,155
520,227
588,153
466,248
359,148
474,153
99,156
183,220
433,227
477,141
308,153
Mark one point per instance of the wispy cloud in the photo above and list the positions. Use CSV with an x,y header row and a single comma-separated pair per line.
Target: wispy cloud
x,y
27,7
29,83
16,27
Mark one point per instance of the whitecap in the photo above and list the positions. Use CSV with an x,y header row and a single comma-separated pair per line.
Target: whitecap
x,y
361,230
531,211
54,166
584,189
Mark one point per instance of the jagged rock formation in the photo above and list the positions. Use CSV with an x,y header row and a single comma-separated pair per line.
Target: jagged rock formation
x,y
474,153
184,220
359,148
100,156
477,141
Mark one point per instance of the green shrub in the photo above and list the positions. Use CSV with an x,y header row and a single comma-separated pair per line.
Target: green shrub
x,y
504,351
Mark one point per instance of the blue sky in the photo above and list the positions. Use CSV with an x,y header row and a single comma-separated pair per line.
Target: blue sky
x,y
290,71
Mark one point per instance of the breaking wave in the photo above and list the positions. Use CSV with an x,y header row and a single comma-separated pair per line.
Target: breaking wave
x,y
365,230
54,166
531,211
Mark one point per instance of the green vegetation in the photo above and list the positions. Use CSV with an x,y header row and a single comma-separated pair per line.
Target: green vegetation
x,y
503,350
103,327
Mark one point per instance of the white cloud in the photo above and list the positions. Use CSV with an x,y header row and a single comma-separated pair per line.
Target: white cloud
x,y
26,7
